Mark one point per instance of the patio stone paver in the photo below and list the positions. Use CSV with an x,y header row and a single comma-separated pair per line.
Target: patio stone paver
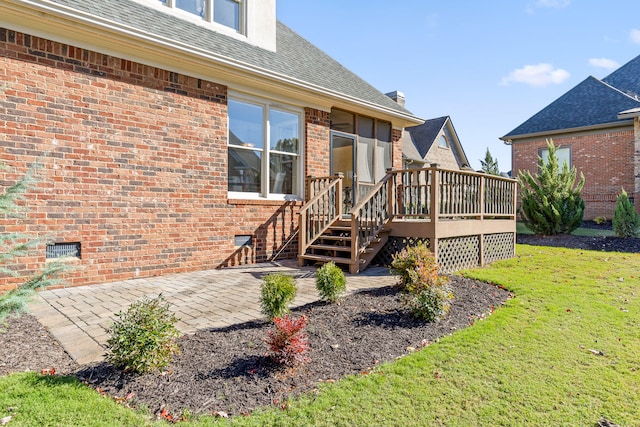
x,y
78,317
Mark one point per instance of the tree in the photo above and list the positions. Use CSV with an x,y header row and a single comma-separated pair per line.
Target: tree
x,y
551,202
626,221
15,245
489,164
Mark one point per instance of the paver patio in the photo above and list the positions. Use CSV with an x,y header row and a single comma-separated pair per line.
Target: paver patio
x,y
79,317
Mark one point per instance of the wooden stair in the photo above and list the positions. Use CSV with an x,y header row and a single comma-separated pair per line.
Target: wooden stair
x,y
335,245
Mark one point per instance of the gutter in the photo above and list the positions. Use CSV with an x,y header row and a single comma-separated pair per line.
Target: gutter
x,y
626,120
162,44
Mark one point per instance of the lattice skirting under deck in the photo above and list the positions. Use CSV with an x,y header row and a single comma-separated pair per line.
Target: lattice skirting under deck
x,y
456,253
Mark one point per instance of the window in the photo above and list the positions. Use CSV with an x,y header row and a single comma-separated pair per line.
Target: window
x,y
563,154
264,150
442,142
224,12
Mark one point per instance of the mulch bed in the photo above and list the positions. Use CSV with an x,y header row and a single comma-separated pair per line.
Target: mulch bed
x,y
228,370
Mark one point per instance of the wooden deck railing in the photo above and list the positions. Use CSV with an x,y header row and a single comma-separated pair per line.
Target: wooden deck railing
x,y
436,204
319,212
369,217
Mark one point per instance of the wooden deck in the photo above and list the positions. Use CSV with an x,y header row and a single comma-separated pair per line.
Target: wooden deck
x,y
467,219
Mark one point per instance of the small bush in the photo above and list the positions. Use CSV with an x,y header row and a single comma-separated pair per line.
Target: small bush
x,y
405,262
331,282
428,294
430,303
626,221
278,291
144,337
600,220
288,342
417,268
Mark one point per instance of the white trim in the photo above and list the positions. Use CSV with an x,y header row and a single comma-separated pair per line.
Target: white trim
x,y
156,49
268,104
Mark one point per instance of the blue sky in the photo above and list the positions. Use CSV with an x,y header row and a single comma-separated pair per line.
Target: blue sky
x,y
490,65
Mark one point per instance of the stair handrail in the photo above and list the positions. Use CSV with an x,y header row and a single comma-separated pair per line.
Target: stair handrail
x,y
370,216
317,214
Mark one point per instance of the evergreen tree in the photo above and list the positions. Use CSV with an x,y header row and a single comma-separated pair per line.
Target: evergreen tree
x,y
626,221
16,245
489,165
551,202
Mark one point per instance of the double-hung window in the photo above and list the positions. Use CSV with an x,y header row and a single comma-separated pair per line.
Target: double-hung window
x,y
264,150
225,12
563,154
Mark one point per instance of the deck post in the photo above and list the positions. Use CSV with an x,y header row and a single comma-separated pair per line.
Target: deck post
x,y
434,209
482,213
339,199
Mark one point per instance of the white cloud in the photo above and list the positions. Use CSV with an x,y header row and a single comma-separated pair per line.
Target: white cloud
x,y
608,64
536,75
549,4
634,36
555,4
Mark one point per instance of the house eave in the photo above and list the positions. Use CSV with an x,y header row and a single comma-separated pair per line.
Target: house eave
x,y
66,25
510,139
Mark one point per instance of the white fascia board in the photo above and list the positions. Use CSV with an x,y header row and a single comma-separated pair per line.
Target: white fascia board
x,y
102,35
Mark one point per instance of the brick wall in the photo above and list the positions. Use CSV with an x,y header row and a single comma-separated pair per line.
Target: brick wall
x,y
606,159
317,154
133,164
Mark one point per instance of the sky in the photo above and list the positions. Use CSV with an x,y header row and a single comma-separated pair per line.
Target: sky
x,y
490,65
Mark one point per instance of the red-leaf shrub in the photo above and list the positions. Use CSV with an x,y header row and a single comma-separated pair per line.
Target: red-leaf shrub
x,y
288,342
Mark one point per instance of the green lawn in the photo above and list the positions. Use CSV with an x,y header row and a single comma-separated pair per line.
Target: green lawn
x,y
563,352
522,229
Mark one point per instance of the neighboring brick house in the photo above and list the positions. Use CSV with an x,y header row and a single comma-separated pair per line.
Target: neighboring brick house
x,y
434,141
175,135
587,125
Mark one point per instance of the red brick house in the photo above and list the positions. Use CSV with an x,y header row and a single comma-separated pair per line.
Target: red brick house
x,y
175,135
595,126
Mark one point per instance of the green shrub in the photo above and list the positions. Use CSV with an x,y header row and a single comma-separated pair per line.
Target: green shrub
x,y
144,337
278,291
430,303
331,282
626,221
551,202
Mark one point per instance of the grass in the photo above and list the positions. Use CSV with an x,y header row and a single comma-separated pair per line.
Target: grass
x,y
522,229
35,400
563,352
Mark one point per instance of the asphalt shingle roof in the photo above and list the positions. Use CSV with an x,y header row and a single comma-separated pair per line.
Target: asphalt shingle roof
x,y
591,102
626,78
295,57
424,135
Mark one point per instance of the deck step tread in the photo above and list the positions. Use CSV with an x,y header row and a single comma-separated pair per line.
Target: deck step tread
x,y
325,258
330,247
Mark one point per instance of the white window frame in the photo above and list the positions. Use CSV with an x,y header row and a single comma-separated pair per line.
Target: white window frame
x,y
563,154
264,193
446,142
209,18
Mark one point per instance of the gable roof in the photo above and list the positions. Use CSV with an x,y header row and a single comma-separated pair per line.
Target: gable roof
x,y
592,102
418,140
424,135
295,62
625,78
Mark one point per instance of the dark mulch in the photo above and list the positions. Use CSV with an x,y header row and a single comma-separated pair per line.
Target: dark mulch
x,y
597,243
228,370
